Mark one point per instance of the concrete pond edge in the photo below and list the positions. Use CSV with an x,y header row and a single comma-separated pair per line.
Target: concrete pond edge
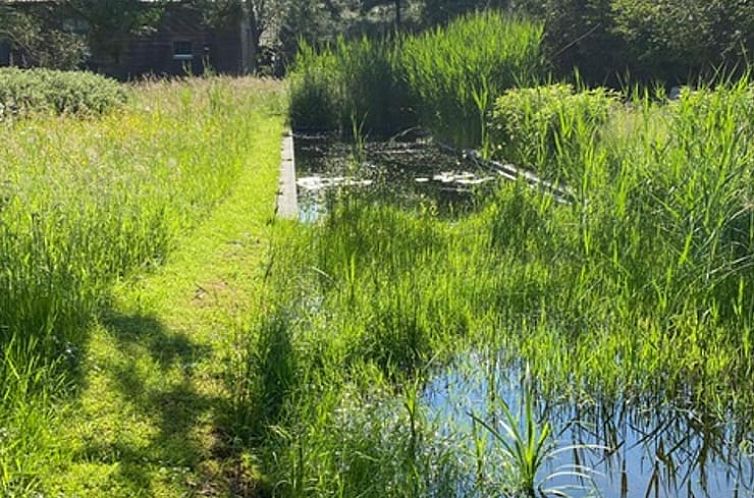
x,y
287,199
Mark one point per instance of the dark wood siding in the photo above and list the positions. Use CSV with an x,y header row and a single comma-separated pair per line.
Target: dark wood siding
x,y
4,53
154,53
225,50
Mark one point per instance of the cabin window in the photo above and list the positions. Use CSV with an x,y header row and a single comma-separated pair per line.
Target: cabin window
x,y
183,51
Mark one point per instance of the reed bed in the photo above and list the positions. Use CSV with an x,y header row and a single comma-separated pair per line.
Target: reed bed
x,y
444,80
637,293
349,85
455,73
83,204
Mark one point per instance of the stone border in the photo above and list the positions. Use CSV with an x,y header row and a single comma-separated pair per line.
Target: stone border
x,y
287,201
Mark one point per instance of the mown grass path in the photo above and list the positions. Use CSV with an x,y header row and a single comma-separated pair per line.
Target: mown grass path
x,y
144,423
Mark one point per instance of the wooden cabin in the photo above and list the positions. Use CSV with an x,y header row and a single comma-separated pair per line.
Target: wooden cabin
x,y
182,43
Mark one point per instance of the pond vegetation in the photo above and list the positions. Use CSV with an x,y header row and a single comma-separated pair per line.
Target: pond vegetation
x,y
630,302
444,79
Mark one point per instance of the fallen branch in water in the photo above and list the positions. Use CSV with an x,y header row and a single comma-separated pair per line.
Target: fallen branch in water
x,y
562,193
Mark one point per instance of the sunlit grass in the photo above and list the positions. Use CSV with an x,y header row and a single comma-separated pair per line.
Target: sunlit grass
x,y
84,204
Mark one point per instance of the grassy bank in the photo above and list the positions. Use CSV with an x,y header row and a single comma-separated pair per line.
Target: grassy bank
x,y
151,420
86,204
636,293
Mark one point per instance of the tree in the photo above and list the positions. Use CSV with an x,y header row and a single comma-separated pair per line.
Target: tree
x,y
254,17
37,40
322,21
675,39
442,11
112,22
398,5
581,34
313,21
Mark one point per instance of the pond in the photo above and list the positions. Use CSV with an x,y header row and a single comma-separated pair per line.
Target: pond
x,y
620,449
661,452
411,173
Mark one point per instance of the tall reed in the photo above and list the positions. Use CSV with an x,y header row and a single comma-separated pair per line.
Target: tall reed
x,y
456,72
445,80
359,79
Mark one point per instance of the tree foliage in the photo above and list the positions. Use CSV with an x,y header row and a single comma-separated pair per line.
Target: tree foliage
x,y
38,40
607,40
314,21
670,40
442,11
112,22
580,33
684,36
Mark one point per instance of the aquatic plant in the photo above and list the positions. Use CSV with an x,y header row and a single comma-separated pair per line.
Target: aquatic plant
x,y
634,293
445,79
359,79
455,73
314,93
526,449
526,445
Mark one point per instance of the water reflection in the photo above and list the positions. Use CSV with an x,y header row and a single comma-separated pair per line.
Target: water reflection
x,y
660,452
405,173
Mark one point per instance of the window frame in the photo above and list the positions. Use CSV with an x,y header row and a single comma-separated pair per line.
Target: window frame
x,y
183,55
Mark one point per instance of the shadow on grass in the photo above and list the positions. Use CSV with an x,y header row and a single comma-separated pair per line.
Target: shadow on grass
x,y
155,375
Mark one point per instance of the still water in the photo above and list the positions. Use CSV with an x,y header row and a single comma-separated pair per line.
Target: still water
x,y
654,451
409,173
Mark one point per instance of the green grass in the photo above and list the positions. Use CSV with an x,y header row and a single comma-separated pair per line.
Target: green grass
x,y
146,425
160,338
108,364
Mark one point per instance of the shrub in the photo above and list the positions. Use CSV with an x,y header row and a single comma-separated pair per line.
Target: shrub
x,y
27,91
529,125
